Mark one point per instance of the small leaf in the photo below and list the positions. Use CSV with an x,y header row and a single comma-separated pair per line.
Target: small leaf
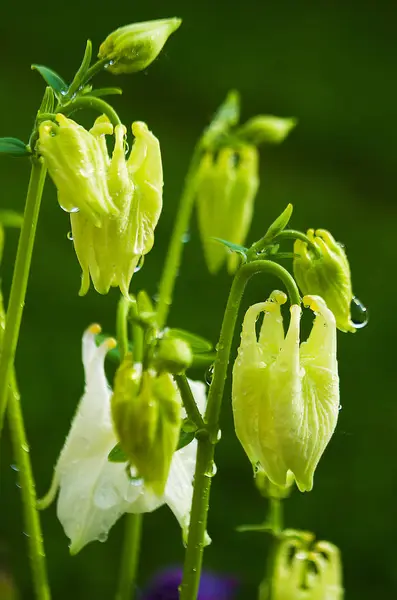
x,y
189,426
185,437
13,146
10,218
234,247
117,455
145,305
110,91
52,79
202,360
197,343
265,129
279,224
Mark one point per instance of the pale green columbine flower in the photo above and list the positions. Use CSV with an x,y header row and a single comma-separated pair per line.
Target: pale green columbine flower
x,y
303,571
94,492
226,186
146,412
286,395
327,276
78,165
133,47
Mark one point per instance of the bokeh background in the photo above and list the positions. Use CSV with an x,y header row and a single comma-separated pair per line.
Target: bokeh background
x,y
331,65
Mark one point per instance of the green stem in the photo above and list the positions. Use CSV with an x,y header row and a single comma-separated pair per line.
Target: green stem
x,y
133,522
206,444
292,234
275,516
96,68
130,558
189,402
28,492
20,279
174,254
84,102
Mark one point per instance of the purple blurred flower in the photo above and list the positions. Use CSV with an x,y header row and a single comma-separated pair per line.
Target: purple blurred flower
x,y
164,586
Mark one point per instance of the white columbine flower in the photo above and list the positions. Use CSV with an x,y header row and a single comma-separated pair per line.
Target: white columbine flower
x,y
94,492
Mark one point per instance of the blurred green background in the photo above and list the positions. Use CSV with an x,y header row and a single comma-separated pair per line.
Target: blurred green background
x,y
332,65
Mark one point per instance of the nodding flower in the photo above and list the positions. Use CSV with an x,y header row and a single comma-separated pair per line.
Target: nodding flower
x,y
286,394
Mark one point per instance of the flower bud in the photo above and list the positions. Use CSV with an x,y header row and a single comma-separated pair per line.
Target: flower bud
x,y
77,165
303,571
285,395
110,254
226,187
146,412
328,276
173,355
133,47
265,128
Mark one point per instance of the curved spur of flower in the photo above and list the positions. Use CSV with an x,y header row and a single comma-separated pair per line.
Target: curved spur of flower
x,y
286,396
94,492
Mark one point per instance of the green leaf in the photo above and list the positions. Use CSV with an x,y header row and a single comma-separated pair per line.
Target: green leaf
x,y
197,343
52,79
13,146
279,224
117,455
234,247
185,437
202,360
265,129
110,91
10,218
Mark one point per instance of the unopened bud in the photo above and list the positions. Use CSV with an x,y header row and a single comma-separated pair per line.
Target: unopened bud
x,y
173,355
265,128
146,412
327,276
133,47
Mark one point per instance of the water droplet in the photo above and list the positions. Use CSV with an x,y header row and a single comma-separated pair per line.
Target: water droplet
x,y
102,537
26,534
186,237
70,236
359,313
126,147
140,264
219,436
70,209
343,246
14,468
212,471
209,374
25,447
136,481
340,407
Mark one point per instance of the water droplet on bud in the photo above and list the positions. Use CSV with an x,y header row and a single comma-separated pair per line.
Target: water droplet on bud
x,y
359,313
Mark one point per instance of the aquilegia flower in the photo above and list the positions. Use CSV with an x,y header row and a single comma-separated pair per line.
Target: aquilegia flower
x,y
286,395
328,276
114,203
94,492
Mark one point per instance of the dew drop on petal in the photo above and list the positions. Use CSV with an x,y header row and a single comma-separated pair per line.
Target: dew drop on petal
x,y
359,313
70,236
209,374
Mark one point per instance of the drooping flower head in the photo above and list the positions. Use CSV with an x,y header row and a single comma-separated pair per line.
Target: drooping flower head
x,y
286,394
114,208
327,276
94,492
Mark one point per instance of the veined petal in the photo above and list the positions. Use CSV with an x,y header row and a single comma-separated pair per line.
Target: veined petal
x,y
271,337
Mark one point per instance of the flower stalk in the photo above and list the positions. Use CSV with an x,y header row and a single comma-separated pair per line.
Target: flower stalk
x,y
20,279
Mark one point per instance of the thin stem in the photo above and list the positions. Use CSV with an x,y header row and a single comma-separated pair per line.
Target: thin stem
x,y
133,522
292,234
28,492
84,102
130,558
189,402
96,68
174,254
206,445
20,279
275,516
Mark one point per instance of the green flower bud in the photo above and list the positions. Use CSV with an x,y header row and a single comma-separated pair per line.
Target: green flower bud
x,y
133,47
226,187
110,254
77,165
285,394
265,128
146,412
173,355
304,572
328,276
